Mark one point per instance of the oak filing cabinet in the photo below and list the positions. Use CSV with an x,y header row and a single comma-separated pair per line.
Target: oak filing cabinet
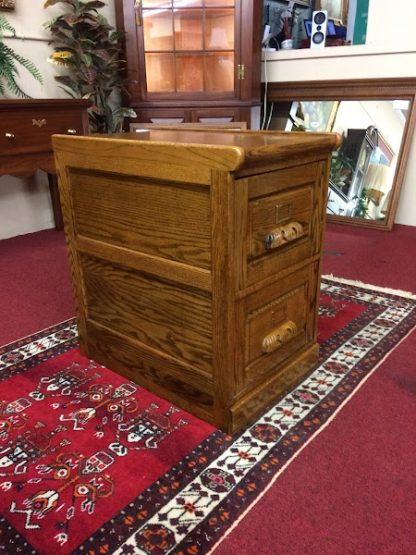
x,y
195,259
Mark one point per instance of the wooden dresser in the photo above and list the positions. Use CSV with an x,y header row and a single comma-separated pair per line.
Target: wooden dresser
x,y
195,259
26,127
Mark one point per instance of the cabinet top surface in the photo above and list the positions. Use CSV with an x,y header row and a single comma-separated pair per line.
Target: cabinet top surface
x,y
236,148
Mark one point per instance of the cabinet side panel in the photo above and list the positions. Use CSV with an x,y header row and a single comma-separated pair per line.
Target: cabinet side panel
x,y
166,378
158,218
163,316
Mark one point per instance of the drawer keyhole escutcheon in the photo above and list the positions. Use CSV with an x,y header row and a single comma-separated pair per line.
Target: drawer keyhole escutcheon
x,y
279,336
39,122
9,136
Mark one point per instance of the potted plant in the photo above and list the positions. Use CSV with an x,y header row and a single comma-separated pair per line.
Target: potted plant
x,y
9,60
88,47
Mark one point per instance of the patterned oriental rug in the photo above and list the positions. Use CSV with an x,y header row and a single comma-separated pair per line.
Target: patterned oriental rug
x,y
93,464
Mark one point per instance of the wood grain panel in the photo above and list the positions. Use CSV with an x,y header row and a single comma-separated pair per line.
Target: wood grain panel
x,y
262,321
160,219
281,180
159,314
162,376
200,278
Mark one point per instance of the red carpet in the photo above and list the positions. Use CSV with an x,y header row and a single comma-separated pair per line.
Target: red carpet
x,y
351,491
35,286
91,464
372,256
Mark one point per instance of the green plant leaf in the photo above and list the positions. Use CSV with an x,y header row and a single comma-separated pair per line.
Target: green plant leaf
x,y
86,58
70,83
9,63
73,3
5,26
94,69
27,64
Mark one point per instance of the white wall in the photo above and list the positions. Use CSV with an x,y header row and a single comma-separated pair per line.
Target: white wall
x,y
24,203
390,51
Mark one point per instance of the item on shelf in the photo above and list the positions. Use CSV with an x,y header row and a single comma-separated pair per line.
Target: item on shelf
x,y
319,29
357,21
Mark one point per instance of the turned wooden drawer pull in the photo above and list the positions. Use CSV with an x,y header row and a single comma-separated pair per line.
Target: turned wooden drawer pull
x,y
279,336
283,234
71,131
9,135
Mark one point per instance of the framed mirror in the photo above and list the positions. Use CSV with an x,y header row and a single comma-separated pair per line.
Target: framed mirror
x,y
376,118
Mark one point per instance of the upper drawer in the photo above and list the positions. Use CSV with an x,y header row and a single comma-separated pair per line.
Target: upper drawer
x,y
284,220
279,221
30,131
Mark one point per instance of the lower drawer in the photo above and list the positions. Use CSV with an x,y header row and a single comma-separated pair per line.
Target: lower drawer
x,y
279,322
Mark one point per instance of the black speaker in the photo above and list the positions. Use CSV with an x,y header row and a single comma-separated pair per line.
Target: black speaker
x,y
318,30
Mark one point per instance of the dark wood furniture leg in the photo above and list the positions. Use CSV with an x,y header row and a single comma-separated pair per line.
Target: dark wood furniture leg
x,y
56,203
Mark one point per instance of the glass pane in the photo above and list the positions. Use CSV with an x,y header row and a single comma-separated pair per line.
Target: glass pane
x,y
157,3
190,72
167,121
219,29
158,30
219,71
219,3
216,120
188,30
187,3
160,73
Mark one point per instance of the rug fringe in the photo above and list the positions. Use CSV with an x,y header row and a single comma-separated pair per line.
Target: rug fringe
x,y
398,292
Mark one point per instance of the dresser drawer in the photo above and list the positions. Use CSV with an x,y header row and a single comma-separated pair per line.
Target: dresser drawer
x,y
29,132
280,221
282,225
279,322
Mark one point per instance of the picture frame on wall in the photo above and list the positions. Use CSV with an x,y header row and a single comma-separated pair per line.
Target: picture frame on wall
x,y
7,4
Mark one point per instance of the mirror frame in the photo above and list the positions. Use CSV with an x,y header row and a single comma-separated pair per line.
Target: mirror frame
x,y
402,88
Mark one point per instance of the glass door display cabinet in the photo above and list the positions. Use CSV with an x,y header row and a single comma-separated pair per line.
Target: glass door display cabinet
x,y
191,60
